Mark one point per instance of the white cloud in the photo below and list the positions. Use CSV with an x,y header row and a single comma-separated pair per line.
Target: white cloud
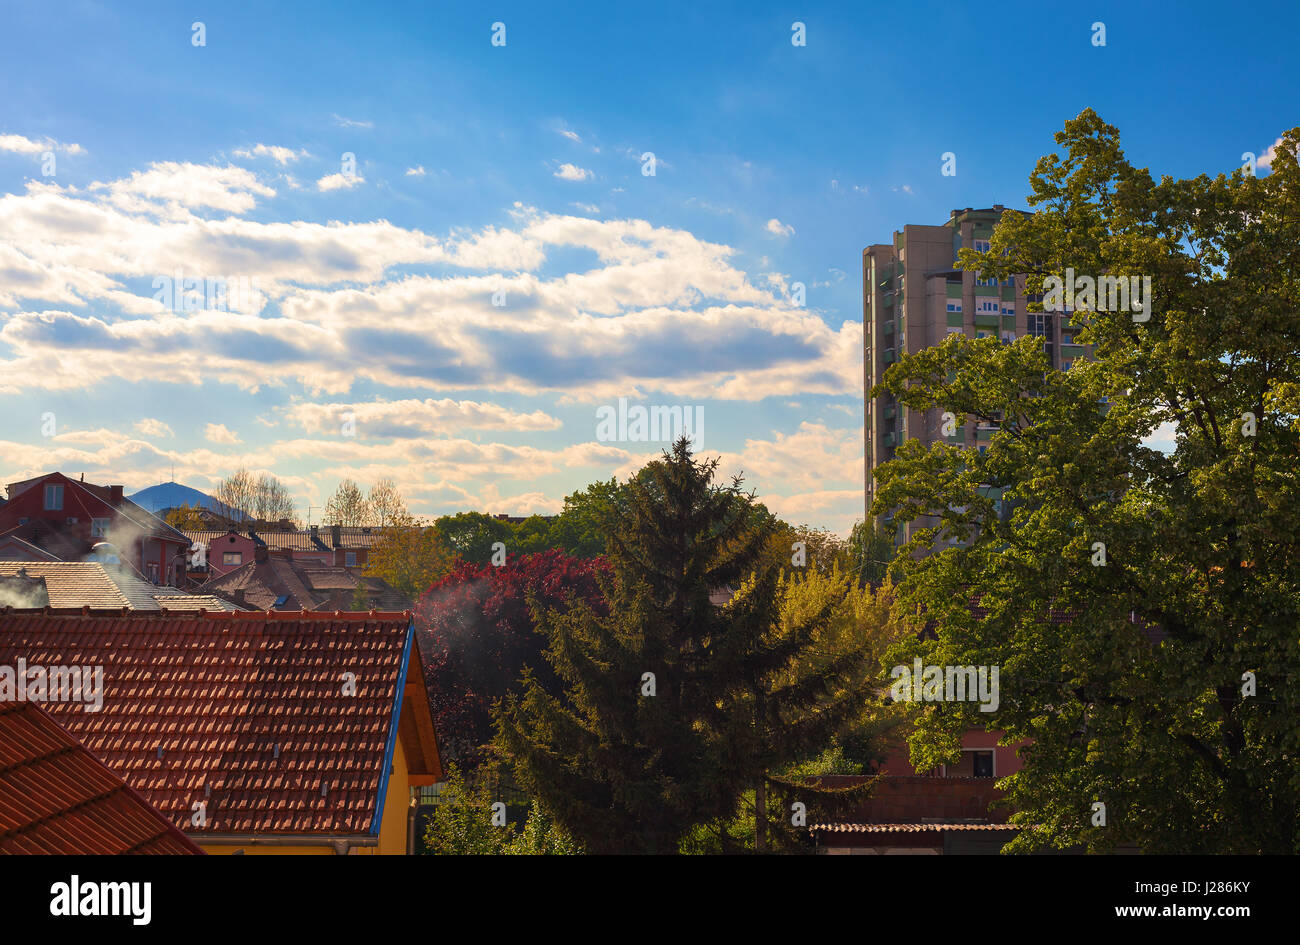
x,y
280,155
351,123
151,427
413,418
20,145
572,172
1163,438
1265,160
217,433
777,228
417,171
339,182
659,309
572,136
179,187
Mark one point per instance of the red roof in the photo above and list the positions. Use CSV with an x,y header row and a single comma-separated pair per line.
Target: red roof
x,y
56,797
244,713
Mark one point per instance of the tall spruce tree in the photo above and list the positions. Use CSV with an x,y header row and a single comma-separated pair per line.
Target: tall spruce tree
x,y
673,705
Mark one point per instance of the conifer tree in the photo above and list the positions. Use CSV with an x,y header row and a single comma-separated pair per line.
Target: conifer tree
x,y
673,704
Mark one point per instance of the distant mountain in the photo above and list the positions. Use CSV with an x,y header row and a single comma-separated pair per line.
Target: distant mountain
x,y
172,495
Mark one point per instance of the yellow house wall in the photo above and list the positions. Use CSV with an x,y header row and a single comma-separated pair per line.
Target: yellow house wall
x,y
392,829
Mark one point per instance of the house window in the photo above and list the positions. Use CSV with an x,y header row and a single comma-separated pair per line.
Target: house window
x,y
72,520
350,559
53,498
973,764
99,527
232,557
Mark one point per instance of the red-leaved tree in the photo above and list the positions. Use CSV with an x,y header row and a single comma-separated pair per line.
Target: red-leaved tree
x,y
476,634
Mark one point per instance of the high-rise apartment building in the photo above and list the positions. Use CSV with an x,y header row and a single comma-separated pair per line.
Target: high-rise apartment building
x,y
913,297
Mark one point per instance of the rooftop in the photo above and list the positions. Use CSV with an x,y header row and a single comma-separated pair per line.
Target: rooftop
x,y
276,723
103,586
57,798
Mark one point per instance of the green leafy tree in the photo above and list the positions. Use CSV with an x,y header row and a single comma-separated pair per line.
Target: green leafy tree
x,y
187,518
1143,605
410,556
672,706
859,629
871,551
465,824
531,535
577,529
470,535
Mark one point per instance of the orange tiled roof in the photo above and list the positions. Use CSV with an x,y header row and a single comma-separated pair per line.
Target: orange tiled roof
x,y
56,797
244,713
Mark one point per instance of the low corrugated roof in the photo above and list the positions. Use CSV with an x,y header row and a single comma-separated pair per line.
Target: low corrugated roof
x,y
905,828
57,798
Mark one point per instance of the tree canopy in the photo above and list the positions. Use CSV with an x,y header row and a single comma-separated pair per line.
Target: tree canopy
x,y
1143,603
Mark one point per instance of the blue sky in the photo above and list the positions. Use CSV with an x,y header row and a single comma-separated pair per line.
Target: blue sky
x,y
518,169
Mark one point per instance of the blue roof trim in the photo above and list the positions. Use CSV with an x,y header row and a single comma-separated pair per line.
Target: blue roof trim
x,y
392,731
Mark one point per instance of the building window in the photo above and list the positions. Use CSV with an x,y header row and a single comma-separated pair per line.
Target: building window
x,y
350,559
954,306
99,527
53,498
973,764
72,520
232,557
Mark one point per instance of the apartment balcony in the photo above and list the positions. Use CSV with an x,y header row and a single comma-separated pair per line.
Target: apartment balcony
x,y
889,327
984,433
888,357
1071,351
891,411
988,320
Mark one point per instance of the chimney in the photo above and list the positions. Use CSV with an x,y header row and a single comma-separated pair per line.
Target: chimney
x,y
259,554
115,495
336,535
238,595
315,533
